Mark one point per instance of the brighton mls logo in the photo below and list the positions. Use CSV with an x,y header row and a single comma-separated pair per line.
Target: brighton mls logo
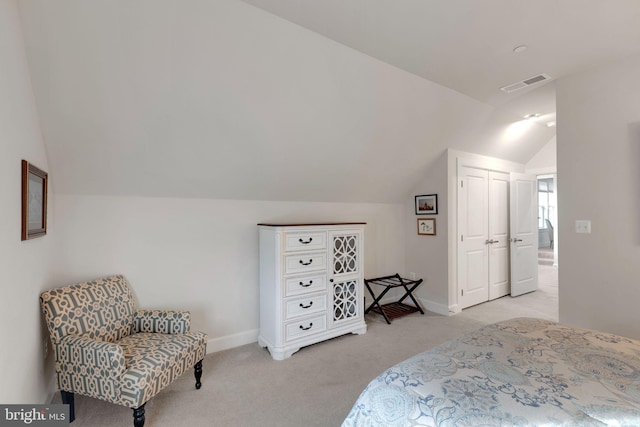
x,y
36,415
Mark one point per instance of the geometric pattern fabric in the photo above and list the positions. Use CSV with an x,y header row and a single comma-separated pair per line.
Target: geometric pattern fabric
x,y
106,349
101,309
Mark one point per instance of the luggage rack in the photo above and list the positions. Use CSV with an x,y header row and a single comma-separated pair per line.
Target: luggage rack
x,y
396,309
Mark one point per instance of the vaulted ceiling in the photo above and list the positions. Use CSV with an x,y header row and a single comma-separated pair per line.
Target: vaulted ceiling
x,y
467,45
298,99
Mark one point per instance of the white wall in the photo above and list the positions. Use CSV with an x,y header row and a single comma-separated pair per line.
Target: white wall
x,y
25,266
427,255
201,255
221,100
599,180
545,160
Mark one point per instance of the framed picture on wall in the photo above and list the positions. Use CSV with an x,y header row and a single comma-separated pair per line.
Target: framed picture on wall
x,y
427,204
427,226
34,201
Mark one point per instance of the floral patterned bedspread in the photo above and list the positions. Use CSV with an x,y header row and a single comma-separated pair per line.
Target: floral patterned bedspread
x,y
521,372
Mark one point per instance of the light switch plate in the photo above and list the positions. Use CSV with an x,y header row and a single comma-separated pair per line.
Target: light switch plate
x,y
583,226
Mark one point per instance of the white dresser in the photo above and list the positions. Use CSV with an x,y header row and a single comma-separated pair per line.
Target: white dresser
x,y
311,284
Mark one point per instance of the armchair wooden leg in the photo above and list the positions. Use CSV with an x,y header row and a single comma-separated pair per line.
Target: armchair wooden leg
x,y
138,416
67,399
197,370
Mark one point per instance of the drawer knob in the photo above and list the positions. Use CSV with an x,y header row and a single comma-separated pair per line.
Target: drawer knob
x,y
306,306
306,242
308,327
306,263
306,285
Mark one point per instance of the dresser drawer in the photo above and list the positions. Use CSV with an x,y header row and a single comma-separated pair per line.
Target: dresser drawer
x,y
304,284
303,262
309,326
305,305
301,241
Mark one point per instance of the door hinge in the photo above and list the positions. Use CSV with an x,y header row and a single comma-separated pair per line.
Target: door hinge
x,y
462,292
461,184
462,237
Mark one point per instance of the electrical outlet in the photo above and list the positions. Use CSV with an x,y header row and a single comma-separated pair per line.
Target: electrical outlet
x,y
412,275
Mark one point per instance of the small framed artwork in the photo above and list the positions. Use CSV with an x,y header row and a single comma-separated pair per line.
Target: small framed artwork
x,y
427,226
34,201
427,204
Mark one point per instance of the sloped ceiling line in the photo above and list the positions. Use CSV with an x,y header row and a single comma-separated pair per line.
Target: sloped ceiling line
x,y
224,100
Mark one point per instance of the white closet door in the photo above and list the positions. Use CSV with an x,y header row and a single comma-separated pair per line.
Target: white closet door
x,y
498,235
524,234
473,207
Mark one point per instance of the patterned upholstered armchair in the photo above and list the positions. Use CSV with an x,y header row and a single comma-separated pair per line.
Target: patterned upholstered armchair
x,y
105,348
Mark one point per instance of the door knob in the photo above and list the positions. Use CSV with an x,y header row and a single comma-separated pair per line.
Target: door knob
x,y
491,242
515,240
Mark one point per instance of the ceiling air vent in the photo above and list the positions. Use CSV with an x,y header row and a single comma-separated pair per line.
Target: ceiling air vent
x,y
526,83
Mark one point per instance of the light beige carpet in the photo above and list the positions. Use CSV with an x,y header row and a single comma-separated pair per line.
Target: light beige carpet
x,y
316,386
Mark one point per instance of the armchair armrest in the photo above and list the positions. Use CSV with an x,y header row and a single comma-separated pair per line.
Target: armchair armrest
x,y
90,367
162,321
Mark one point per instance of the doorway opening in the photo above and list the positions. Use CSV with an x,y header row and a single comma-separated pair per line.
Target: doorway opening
x,y
547,220
548,237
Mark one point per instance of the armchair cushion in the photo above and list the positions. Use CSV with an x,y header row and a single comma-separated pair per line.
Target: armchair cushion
x,y
154,360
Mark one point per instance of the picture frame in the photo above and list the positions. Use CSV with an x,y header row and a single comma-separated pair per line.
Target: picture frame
x,y
427,204
35,183
427,226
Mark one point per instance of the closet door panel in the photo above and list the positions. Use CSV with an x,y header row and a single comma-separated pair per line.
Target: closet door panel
x,y
498,235
473,205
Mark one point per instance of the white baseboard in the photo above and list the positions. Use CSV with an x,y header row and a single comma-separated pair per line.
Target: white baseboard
x,y
250,336
231,341
434,307
454,309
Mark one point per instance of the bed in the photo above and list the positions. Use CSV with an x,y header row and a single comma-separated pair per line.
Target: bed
x,y
520,372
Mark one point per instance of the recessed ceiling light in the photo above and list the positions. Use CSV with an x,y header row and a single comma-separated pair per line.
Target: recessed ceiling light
x,y
532,116
520,49
551,124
